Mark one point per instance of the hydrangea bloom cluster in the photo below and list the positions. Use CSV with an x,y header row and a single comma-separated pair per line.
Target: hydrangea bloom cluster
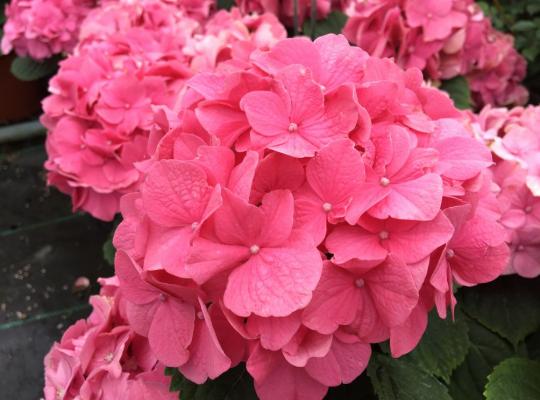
x,y
133,57
514,138
43,28
445,39
103,358
306,203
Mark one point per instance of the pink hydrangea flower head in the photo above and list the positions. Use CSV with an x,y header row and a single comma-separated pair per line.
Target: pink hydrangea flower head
x,y
44,28
295,203
102,357
133,59
445,39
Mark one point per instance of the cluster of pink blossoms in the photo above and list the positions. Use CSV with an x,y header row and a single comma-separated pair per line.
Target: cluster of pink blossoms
x,y
514,138
103,358
43,28
132,59
445,39
308,201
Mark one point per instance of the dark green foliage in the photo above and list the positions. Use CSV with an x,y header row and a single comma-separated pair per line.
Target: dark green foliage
x,y
510,306
458,90
225,4
443,347
334,23
397,379
514,379
521,18
235,384
27,69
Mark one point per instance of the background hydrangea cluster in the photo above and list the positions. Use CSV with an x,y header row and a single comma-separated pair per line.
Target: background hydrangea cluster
x,y
445,39
513,138
132,59
40,29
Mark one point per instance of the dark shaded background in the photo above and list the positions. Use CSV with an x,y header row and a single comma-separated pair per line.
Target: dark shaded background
x,y
44,248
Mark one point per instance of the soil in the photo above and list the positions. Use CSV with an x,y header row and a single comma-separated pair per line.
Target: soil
x,y
44,250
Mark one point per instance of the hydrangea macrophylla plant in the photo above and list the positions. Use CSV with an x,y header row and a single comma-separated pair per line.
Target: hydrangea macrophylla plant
x,y
445,39
132,59
513,137
103,358
307,201
43,28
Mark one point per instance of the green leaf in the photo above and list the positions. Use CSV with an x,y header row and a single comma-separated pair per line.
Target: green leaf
x,y
523,25
443,347
533,8
225,4
533,346
509,306
109,251
27,69
514,379
458,89
486,349
333,23
360,388
395,379
235,384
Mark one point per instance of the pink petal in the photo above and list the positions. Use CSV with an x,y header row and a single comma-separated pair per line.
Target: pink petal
x,y
175,193
208,259
481,253
526,263
133,287
351,242
222,120
367,195
405,336
394,291
336,171
305,345
242,176
167,249
278,209
274,332
238,222
140,316
171,332
275,282
275,378
334,301
343,363
341,63
309,215
419,241
217,161
207,359
418,199
297,50
276,171
462,158
266,112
